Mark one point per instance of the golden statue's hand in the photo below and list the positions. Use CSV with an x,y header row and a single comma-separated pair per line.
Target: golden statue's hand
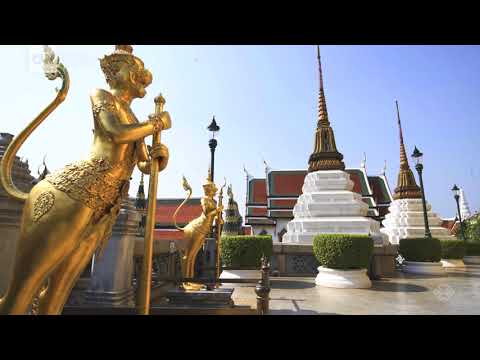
x,y
160,121
160,152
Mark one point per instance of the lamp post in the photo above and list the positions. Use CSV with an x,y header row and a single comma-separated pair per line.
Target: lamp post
x,y
417,158
213,128
209,249
456,195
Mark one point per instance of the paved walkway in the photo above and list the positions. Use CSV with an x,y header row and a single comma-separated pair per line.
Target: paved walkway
x,y
456,293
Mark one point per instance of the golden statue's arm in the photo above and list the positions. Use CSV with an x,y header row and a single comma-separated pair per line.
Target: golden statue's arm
x,y
103,101
53,70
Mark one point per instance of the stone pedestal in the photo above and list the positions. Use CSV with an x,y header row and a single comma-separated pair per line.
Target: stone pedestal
x,y
405,220
111,279
10,214
328,205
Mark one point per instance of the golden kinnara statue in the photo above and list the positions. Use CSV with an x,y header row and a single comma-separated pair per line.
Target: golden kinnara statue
x,y
197,230
69,215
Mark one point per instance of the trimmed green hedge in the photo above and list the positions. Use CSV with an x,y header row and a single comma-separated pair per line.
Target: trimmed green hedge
x,y
343,251
472,249
453,249
245,251
420,249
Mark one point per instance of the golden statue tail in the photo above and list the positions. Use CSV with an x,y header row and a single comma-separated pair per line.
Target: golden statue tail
x,y
53,69
187,188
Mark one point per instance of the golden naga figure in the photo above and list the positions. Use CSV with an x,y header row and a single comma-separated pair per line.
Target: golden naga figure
x,y
197,230
69,215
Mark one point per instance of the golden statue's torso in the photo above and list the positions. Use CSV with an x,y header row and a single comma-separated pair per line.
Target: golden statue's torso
x,y
99,180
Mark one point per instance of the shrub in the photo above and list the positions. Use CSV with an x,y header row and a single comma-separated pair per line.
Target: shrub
x,y
245,251
453,249
472,249
343,251
420,249
472,229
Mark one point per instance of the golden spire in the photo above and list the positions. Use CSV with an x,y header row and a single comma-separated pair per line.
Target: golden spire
x,y
325,155
403,155
322,104
407,187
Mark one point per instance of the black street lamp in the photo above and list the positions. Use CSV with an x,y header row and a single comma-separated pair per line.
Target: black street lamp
x,y
213,127
210,246
456,195
417,158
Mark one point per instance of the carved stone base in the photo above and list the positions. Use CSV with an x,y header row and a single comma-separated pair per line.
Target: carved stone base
x,y
120,298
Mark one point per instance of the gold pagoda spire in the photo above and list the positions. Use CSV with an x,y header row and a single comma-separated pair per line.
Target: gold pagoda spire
x,y
407,187
322,104
325,155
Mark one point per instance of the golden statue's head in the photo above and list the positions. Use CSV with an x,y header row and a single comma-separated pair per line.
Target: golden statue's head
x,y
123,70
209,187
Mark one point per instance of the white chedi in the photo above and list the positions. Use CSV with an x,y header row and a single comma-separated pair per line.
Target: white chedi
x,y
464,208
405,220
328,205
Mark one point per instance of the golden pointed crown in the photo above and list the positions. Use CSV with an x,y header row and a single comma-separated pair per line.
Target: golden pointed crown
x,y
122,55
209,185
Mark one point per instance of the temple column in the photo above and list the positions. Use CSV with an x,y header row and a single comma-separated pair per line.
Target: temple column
x,y
111,280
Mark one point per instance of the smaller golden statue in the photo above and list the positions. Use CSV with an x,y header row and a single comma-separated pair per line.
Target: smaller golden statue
x,y
197,230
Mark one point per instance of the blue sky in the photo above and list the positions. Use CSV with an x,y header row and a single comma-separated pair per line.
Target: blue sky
x,y
265,101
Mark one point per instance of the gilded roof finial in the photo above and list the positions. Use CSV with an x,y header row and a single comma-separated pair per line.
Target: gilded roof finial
x,y
363,164
249,176
267,168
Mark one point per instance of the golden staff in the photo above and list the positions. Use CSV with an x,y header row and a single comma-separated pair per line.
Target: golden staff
x,y
219,233
145,284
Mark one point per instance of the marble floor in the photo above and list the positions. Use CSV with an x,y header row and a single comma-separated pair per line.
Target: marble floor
x,y
458,292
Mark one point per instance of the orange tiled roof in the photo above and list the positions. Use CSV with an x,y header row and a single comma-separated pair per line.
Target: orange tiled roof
x,y
166,208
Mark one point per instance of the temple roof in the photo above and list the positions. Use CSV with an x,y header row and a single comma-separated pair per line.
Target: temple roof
x,y
166,207
276,196
256,192
380,189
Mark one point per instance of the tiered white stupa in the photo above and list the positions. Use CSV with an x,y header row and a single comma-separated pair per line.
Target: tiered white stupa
x,y
328,204
464,208
405,218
